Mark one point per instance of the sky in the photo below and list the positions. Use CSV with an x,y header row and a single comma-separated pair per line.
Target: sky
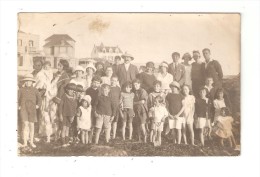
x,y
147,36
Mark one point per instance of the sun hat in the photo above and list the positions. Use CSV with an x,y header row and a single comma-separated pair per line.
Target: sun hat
x,y
127,55
164,64
175,84
90,65
28,77
187,55
87,98
79,68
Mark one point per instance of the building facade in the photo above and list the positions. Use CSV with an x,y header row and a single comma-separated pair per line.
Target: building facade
x,y
106,52
27,51
59,46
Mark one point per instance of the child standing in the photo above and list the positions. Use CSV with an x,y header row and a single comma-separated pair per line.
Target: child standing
x,y
157,114
104,113
202,108
219,102
223,128
29,100
175,105
189,109
68,108
93,92
127,112
84,118
115,92
140,109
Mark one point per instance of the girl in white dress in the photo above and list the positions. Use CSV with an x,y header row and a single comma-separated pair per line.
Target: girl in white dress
x,y
84,118
189,109
219,103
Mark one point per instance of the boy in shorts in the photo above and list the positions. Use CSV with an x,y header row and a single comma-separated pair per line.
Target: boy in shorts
x,y
175,106
104,113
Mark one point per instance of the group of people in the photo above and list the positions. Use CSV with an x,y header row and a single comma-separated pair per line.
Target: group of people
x,y
89,102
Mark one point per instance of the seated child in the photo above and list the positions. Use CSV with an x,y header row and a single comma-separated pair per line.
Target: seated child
x,y
223,128
126,105
157,114
84,118
175,106
104,113
29,99
68,108
140,109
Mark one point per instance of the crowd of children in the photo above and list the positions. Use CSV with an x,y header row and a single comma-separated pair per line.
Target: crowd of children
x,y
84,114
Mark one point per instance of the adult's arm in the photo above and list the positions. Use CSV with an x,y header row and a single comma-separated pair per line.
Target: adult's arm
x,y
219,70
183,75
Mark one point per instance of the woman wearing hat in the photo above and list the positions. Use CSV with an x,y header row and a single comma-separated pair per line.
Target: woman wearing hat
x,y
147,78
127,72
29,100
90,70
165,77
78,80
186,59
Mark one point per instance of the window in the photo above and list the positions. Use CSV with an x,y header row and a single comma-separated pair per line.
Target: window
x,y
110,50
104,50
30,43
52,51
20,42
20,60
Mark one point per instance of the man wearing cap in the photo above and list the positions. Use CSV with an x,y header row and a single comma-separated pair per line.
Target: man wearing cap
x,y
212,68
127,72
177,69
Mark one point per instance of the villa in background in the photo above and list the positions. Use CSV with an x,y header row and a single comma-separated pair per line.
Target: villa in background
x,y
27,51
60,46
106,52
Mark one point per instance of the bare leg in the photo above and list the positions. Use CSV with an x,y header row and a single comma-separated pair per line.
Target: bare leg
x,y
91,135
114,128
86,137
173,131
130,126
159,136
229,142
123,130
183,131
98,130
221,142
233,141
25,132
83,137
143,131
201,136
107,134
179,136
190,128
151,136
31,127
154,135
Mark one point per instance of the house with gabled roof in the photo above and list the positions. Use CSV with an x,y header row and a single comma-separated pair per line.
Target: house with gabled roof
x,y
59,46
106,52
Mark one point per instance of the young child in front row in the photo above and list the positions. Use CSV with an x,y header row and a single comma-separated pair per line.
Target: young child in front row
x,y
202,110
157,114
68,109
84,118
175,105
104,113
223,128
157,85
140,109
29,100
127,111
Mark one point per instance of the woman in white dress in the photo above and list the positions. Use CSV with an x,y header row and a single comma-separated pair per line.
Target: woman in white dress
x,y
165,77
187,58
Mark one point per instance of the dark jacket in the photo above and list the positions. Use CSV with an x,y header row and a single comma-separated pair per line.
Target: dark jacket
x,y
178,73
124,76
214,70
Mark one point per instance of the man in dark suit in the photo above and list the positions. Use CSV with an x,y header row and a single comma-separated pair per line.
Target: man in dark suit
x,y
177,69
126,72
212,68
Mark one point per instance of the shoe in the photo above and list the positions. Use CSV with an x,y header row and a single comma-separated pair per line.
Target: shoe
x,y
237,148
33,145
65,145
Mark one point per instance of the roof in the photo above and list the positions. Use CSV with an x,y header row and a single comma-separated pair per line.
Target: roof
x,y
56,43
58,37
101,47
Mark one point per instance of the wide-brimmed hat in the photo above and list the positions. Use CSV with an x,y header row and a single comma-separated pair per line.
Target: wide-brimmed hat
x,y
175,84
87,98
127,55
90,65
79,68
28,77
164,64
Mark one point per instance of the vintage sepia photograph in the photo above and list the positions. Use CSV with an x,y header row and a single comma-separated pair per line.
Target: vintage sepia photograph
x,y
128,84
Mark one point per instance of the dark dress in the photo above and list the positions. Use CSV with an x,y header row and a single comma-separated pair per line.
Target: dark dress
x,y
197,77
147,81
